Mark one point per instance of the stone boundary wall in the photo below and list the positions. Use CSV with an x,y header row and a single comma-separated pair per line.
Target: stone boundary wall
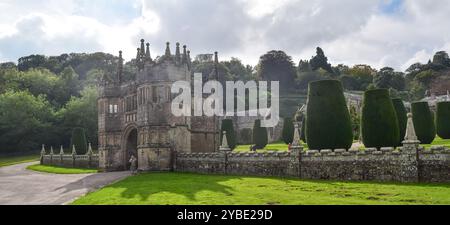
x,y
77,161
387,164
89,160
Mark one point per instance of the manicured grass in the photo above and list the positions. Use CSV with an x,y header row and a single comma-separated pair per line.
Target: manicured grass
x,y
439,141
11,160
281,146
179,188
60,170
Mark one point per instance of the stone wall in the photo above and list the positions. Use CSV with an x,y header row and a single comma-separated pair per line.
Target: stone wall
x,y
388,164
71,161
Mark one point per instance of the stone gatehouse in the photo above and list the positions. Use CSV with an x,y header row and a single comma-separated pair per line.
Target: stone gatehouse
x,y
135,116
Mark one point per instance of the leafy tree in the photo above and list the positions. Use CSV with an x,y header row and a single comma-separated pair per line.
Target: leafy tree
x,y
288,130
81,112
238,70
305,78
25,121
260,138
388,78
277,66
321,61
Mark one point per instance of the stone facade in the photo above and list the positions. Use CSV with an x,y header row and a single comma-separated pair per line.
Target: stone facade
x,y
135,116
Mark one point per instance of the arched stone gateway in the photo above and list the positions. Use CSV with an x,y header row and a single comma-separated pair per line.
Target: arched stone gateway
x,y
130,145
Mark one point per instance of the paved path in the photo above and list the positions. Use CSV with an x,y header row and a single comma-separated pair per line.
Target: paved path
x,y
19,186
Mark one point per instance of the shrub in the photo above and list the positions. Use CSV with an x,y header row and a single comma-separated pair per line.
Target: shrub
x,y
379,124
443,120
227,125
402,119
423,122
288,131
259,135
328,123
79,140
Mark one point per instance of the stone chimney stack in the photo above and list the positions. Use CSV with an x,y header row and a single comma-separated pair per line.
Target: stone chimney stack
x,y
177,53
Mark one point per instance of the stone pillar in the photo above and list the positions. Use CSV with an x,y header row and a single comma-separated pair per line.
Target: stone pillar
x,y
410,155
296,151
42,154
61,154
89,154
74,154
224,149
51,155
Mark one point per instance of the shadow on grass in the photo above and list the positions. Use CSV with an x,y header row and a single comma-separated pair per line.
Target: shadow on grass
x,y
188,185
157,188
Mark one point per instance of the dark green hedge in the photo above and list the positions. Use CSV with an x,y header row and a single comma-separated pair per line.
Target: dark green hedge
x,y
288,131
402,118
303,130
423,122
443,120
379,124
79,140
227,125
259,135
328,124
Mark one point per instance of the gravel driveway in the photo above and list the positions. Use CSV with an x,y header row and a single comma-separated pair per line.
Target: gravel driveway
x,y
19,186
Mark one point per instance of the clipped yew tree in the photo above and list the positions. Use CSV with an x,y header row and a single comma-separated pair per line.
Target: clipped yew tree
x,y
288,130
423,122
328,124
79,140
402,118
227,125
303,130
379,124
443,120
259,135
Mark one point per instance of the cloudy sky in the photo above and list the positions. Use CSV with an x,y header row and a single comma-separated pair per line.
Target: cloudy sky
x,y
392,33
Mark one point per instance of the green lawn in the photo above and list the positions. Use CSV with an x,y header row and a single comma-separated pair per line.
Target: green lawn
x,y
281,146
60,170
11,160
179,188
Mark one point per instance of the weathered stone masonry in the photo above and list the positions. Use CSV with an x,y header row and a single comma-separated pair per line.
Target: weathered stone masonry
x,y
385,165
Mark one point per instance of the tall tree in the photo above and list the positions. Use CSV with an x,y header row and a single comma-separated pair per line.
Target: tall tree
x,y
321,61
277,66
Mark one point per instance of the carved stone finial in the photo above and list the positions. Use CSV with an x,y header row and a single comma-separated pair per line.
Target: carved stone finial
x,y
51,150
89,152
147,53
43,150
142,48
168,54
74,152
184,59
410,132
224,146
296,141
138,55
177,53
61,150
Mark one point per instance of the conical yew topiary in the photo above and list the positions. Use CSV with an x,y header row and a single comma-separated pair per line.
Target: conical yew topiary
x,y
402,118
288,131
328,124
227,125
379,124
423,121
443,120
259,135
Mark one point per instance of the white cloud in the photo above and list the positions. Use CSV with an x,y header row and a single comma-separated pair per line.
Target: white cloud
x,y
349,31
